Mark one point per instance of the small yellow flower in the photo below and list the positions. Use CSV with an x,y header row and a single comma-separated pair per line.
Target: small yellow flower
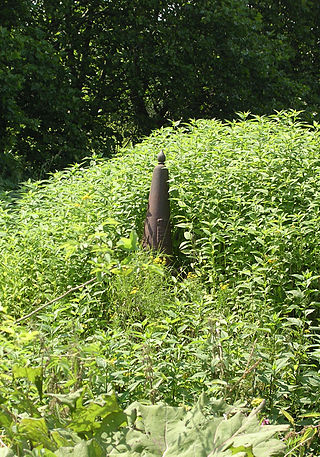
x,y
271,260
77,204
191,275
86,197
134,291
256,401
224,286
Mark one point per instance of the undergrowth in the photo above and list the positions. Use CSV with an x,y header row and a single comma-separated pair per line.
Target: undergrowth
x,y
235,315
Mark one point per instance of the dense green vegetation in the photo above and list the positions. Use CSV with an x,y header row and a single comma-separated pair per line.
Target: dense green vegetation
x,y
78,77
236,316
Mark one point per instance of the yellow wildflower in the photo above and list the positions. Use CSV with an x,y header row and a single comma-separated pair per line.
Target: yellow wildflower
x,y
256,401
191,275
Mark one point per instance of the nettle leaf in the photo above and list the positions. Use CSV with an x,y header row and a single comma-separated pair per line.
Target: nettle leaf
x,y
129,244
95,447
206,430
72,400
29,373
33,374
111,221
5,419
298,294
36,430
84,419
64,438
125,243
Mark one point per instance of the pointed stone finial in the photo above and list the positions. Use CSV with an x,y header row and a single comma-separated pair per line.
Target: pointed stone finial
x,y
161,158
157,231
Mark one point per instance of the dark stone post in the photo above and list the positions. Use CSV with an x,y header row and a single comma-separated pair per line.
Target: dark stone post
x,y
157,231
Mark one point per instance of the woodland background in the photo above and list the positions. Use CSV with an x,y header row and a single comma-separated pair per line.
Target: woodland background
x,y
81,76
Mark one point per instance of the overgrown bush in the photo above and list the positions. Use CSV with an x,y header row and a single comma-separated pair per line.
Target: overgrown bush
x,y
237,313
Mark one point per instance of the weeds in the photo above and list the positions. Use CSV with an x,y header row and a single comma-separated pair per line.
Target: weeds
x,y
236,316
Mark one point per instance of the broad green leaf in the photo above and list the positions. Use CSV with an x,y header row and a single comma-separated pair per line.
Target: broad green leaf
x,y
41,452
5,419
125,243
29,373
241,450
111,221
134,240
156,269
160,430
131,243
64,438
84,418
113,422
83,449
6,452
36,430
72,400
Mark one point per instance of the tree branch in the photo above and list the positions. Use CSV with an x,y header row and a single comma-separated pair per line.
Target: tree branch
x,y
54,300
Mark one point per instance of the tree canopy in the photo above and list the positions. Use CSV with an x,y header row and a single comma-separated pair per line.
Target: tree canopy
x,y
79,76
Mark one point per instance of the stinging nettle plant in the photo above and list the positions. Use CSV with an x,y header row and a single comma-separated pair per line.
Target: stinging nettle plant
x,y
239,318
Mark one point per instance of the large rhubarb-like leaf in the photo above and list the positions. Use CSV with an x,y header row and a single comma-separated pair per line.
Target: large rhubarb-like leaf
x,y
6,452
208,430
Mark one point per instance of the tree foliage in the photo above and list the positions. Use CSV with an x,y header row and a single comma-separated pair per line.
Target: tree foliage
x,y
80,76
